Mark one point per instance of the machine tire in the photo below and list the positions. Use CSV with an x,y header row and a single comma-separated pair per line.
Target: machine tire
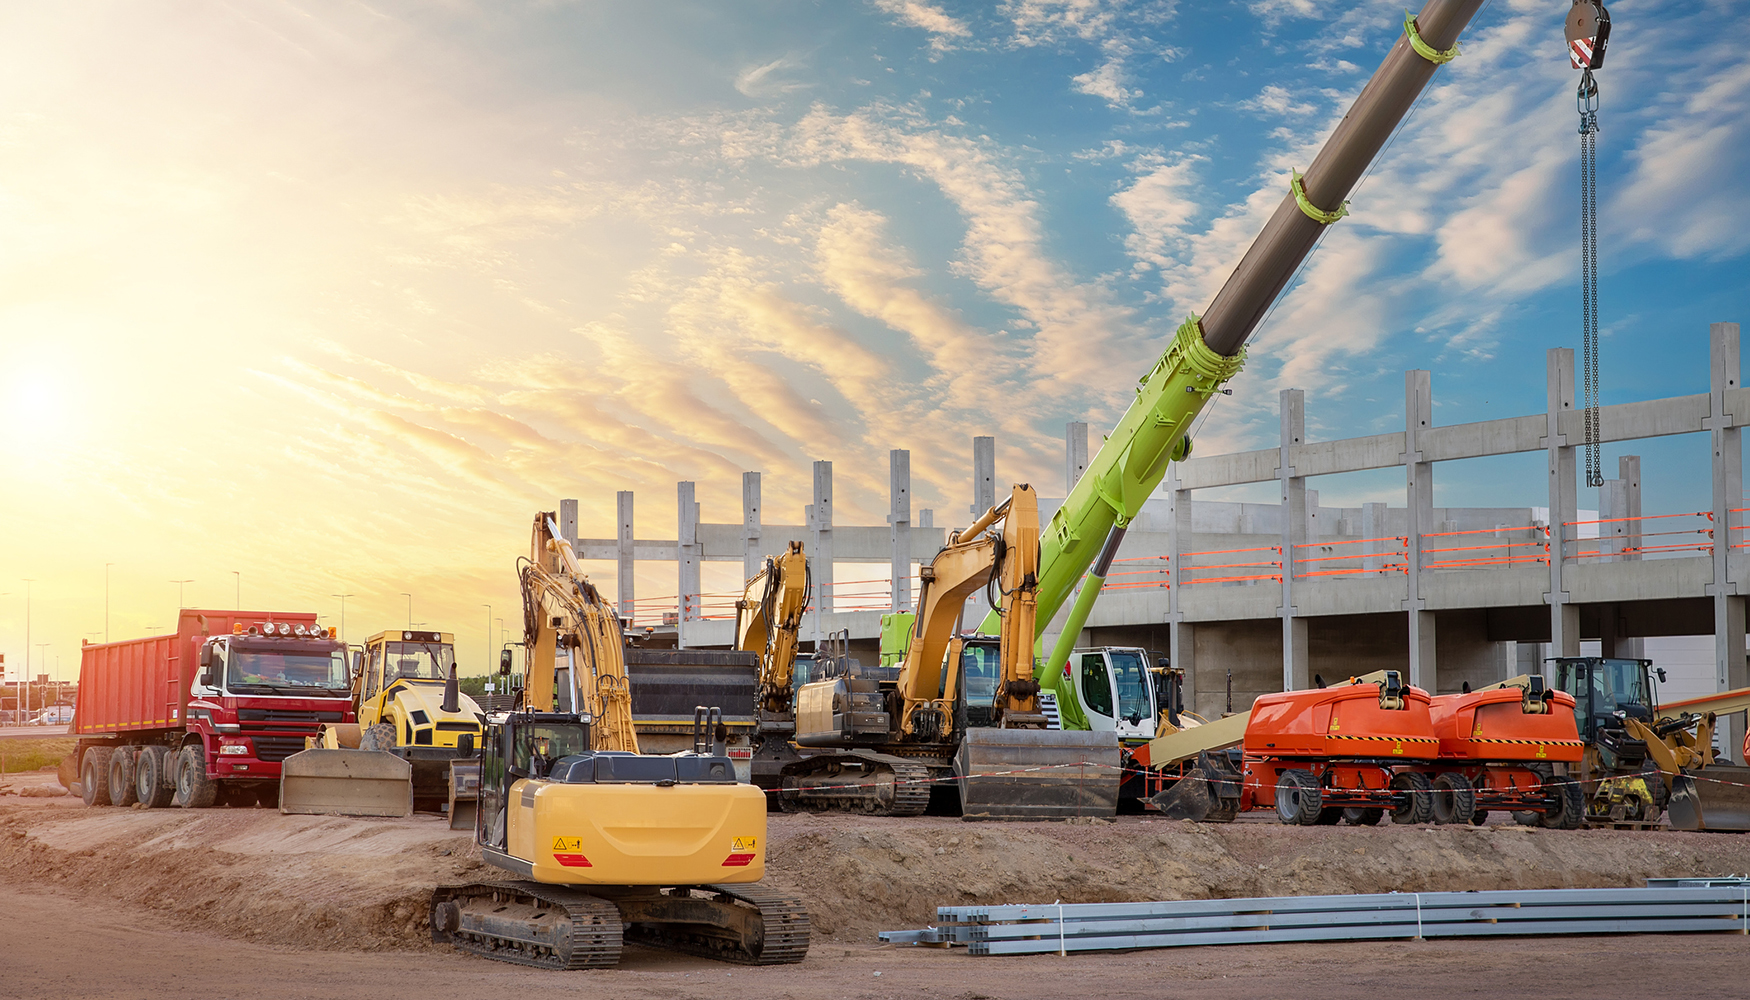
x,y
1330,816
378,737
194,790
149,784
1363,815
121,777
1299,800
1569,811
1418,804
1480,817
1454,800
94,776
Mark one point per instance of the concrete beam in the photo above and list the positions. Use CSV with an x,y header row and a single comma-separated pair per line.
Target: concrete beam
x,y
687,561
1075,454
625,550
984,475
751,556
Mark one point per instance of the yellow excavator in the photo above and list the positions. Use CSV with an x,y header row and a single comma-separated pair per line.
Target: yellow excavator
x,y
605,843
877,739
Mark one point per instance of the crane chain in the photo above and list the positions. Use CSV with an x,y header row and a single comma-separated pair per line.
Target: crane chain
x,y
1587,100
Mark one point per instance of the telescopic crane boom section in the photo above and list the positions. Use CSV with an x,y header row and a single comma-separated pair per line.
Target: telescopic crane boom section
x,y
571,634
768,619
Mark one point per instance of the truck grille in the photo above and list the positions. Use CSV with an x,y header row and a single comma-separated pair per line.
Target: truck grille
x,y
276,748
286,715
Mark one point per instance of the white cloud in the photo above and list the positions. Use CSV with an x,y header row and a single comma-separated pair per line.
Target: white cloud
x,y
942,28
765,78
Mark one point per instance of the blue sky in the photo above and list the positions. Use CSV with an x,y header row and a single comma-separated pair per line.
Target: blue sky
x,y
337,294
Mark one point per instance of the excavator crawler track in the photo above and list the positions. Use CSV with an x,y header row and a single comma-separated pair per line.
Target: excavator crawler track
x,y
773,928
874,784
527,923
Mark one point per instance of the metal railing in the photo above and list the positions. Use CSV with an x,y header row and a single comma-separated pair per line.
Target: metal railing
x,y
1389,554
1655,536
1532,549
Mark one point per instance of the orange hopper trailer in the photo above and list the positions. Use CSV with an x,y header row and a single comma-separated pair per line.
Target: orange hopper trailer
x,y
1338,753
1497,751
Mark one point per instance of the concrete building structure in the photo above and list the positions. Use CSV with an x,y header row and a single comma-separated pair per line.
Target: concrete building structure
x,y
1252,598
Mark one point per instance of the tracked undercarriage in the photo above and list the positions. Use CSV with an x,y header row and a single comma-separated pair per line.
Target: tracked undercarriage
x,y
859,781
563,927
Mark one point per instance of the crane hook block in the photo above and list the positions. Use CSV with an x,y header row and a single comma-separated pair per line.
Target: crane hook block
x,y
1423,49
1588,32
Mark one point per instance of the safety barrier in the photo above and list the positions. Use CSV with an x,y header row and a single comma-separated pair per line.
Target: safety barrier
x,y
1650,536
1533,548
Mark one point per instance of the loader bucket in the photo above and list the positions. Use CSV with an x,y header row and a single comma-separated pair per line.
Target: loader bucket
x,y
464,794
1209,791
1014,774
346,783
1715,798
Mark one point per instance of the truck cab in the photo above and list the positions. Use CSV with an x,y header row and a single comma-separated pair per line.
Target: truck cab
x,y
261,690
1109,689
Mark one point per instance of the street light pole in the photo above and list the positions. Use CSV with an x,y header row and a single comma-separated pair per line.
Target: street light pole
x,y
179,584
343,598
40,645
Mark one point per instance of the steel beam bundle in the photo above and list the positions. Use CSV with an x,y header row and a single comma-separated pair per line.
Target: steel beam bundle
x,y
1704,906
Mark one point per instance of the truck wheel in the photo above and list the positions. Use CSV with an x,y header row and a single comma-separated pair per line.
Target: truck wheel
x,y
121,777
1298,798
94,776
378,737
149,785
1455,801
1364,816
1567,809
1417,805
194,790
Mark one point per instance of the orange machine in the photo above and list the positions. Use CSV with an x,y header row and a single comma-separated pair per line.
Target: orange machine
x,y
1328,754
1497,748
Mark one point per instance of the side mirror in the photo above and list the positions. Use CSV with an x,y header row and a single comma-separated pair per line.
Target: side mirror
x,y
1660,671
504,661
358,664
206,657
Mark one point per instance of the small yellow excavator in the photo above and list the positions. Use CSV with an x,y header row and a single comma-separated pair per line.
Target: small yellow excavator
x,y
606,843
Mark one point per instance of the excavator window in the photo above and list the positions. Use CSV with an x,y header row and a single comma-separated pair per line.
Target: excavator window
x,y
1131,675
981,670
1096,684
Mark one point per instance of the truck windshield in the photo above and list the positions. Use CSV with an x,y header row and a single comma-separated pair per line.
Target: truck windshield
x,y
418,660
1130,677
298,668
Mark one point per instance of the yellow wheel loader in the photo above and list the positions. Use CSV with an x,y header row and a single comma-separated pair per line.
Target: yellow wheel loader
x,y
413,747
604,843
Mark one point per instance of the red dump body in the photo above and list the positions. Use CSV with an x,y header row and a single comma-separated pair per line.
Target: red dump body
x,y
1494,726
138,693
1345,720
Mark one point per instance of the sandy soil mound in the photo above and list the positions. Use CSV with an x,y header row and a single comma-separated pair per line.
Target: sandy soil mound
x,y
362,884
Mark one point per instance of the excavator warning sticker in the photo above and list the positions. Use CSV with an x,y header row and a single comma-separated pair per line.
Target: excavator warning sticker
x,y
744,844
567,845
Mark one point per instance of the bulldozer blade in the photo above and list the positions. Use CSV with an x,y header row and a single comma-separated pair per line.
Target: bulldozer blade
x,y
1715,798
346,783
464,794
1033,774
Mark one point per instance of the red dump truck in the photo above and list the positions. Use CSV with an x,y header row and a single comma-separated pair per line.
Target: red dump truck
x,y
204,717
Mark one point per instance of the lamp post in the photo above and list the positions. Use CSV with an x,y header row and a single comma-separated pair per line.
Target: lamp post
x,y
343,598
179,585
45,659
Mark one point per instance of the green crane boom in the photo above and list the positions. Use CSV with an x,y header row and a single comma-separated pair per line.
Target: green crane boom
x,y
1209,350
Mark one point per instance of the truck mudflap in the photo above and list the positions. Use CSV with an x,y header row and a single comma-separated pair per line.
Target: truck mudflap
x,y
1715,798
346,783
1038,774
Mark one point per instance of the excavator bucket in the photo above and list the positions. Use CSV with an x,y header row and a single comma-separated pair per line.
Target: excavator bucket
x,y
1715,798
1017,774
324,782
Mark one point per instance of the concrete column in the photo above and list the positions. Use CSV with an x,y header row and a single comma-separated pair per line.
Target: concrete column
x,y
899,521
926,517
1419,513
1075,454
1614,527
1728,493
1607,622
820,554
1178,536
1296,671
1373,527
1564,620
984,474
624,573
751,556
687,555
1628,469
568,522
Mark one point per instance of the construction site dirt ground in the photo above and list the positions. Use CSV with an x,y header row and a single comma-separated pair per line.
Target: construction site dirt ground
x,y
115,902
